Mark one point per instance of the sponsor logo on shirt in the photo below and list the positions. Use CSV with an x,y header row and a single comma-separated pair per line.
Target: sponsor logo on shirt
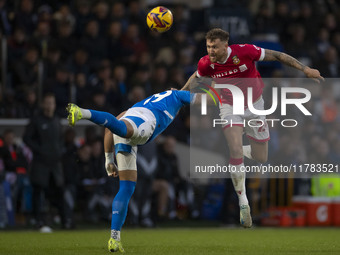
x,y
243,68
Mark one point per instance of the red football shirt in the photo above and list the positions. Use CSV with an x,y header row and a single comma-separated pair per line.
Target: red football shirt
x,y
239,69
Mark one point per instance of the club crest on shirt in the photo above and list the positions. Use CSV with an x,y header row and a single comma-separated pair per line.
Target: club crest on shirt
x,y
236,60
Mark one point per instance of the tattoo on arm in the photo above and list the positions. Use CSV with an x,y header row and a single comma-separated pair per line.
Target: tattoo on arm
x,y
272,55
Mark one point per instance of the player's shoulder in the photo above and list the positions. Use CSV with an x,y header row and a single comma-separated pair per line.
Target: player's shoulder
x,y
244,47
204,66
204,61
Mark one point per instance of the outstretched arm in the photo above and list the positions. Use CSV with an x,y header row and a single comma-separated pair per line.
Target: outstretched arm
x,y
190,82
272,55
194,81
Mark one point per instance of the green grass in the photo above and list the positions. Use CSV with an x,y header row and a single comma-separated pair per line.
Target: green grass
x,y
176,241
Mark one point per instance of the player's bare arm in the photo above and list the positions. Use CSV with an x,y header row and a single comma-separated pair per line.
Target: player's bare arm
x,y
191,82
111,168
272,55
194,81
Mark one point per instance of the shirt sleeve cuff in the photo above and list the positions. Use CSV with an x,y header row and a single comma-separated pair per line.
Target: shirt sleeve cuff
x,y
262,54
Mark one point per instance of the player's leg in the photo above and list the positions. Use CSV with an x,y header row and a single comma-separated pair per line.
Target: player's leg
x,y
105,119
257,151
234,138
126,151
258,135
127,183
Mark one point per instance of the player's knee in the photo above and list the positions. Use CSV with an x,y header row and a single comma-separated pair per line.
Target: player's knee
x,y
236,152
262,158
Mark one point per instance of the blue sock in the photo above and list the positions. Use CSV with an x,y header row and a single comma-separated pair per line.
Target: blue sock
x,y
109,121
120,204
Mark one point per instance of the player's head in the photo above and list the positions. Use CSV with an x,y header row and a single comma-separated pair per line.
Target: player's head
x,y
217,44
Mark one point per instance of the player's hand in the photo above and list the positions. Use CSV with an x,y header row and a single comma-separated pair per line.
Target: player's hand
x,y
112,169
314,74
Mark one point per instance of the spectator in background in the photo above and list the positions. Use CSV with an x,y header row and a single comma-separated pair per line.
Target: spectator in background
x,y
71,176
99,101
167,179
45,13
326,108
335,41
17,45
5,24
134,42
29,106
322,42
330,22
120,78
308,20
51,62
16,167
79,62
82,15
60,87
9,106
136,14
166,56
90,134
84,170
65,41
135,95
83,90
101,15
159,80
100,198
93,43
25,16
116,49
26,69
282,20
103,75
118,13
64,16
329,64
42,37
142,79
44,137
140,203
298,46
264,20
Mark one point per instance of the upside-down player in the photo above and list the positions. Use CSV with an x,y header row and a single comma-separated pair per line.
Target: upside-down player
x,y
138,125
236,64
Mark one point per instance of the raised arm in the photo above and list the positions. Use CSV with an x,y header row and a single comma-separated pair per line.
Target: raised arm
x,y
190,82
194,81
272,55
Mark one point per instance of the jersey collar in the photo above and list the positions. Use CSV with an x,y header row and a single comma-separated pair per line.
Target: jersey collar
x,y
229,52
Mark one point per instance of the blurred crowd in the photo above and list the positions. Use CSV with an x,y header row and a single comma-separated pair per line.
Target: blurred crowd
x,y
101,55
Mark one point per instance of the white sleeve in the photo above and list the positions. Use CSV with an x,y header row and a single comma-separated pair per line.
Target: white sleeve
x,y
262,54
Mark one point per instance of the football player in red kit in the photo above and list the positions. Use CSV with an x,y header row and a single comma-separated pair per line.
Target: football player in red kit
x,y
235,64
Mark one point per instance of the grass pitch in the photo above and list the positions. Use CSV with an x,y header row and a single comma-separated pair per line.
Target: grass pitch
x,y
176,241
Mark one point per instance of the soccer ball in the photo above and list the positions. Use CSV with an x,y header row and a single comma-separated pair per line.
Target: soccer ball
x,y
159,19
